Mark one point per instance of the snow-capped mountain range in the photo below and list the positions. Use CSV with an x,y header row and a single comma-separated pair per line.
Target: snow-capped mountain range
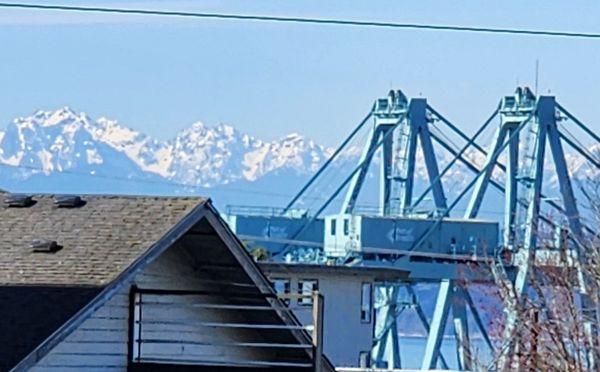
x,y
68,151
71,142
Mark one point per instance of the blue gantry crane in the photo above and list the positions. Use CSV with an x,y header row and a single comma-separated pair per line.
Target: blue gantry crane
x,y
535,121
437,245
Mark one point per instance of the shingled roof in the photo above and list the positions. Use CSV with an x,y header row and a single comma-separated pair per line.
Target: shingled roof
x,y
104,244
98,240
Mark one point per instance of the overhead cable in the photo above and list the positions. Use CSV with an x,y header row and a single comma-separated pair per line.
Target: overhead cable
x,y
302,20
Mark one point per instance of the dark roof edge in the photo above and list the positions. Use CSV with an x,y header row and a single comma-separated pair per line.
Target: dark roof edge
x,y
151,253
258,277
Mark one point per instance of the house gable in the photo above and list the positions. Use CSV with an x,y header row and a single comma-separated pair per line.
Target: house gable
x,y
198,263
97,240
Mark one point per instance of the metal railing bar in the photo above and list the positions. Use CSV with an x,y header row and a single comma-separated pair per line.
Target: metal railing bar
x,y
213,306
158,321
181,292
74,353
232,344
230,363
83,367
202,280
107,342
253,210
103,329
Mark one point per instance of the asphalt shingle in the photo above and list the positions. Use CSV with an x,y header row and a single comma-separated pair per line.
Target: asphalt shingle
x,y
98,240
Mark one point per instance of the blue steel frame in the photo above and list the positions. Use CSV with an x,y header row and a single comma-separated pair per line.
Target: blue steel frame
x,y
396,194
451,291
543,128
397,173
411,121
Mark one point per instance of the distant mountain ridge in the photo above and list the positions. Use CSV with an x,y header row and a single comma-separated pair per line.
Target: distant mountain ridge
x,y
63,140
68,151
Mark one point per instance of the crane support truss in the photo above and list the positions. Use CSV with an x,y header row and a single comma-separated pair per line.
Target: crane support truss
x,y
527,125
521,225
409,122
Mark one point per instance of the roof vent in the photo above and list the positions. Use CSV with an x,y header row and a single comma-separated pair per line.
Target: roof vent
x,y
68,201
44,246
19,200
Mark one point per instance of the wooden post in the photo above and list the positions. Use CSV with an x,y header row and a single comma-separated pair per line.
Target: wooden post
x,y
317,333
135,333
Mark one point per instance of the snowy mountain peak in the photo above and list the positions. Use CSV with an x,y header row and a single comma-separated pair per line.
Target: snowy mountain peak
x,y
196,127
200,155
110,131
51,118
64,140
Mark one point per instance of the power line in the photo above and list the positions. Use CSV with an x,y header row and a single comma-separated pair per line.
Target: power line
x,y
320,21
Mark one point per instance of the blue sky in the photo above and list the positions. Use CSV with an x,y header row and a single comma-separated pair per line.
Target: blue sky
x,y
159,75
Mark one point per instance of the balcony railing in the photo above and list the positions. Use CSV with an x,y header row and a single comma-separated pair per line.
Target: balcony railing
x,y
204,328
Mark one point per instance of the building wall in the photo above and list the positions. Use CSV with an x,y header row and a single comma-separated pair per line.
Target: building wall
x,y
100,343
345,334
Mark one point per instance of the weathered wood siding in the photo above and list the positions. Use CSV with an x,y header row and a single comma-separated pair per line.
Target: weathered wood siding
x,y
100,343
